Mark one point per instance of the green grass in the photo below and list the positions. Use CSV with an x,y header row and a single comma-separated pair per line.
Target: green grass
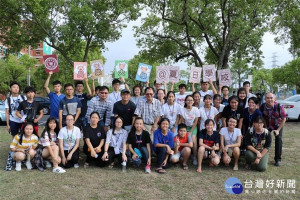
x,y
96,183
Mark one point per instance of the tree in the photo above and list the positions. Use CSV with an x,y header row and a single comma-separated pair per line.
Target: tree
x,y
262,80
288,74
14,69
182,29
65,23
239,70
286,23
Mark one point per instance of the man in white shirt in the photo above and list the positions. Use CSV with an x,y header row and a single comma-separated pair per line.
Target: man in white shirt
x,y
114,97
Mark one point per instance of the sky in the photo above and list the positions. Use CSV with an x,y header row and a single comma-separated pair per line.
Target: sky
x,y
125,48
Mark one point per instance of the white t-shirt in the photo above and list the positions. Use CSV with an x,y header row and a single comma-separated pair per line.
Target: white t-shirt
x,y
14,104
189,116
210,92
221,108
230,138
113,98
69,137
179,98
171,112
204,114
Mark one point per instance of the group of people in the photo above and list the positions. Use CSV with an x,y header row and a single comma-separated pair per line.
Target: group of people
x,y
132,127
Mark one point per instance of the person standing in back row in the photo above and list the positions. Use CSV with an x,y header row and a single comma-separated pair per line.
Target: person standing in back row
x,y
55,96
275,118
83,97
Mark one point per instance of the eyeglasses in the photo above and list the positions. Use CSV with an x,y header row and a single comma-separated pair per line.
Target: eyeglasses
x,y
190,100
103,92
232,121
149,94
69,119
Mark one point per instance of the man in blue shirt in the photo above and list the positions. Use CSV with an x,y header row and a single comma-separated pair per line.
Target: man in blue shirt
x,y
55,96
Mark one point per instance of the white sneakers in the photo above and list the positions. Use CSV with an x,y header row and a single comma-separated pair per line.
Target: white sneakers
x,y
76,165
28,165
48,164
18,166
58,170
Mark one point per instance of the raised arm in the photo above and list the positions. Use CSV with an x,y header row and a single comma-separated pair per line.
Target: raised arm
x,y
46,85
88,87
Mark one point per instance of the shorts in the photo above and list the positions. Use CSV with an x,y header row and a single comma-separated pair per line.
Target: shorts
x,y
194,131
178,154
14,127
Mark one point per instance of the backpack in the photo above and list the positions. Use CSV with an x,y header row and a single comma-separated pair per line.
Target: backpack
x,y
9,101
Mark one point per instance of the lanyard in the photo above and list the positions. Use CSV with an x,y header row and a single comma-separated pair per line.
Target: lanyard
x,y
172,112
140,140
207,115
164,139
29,107
233,113
116,97
231,136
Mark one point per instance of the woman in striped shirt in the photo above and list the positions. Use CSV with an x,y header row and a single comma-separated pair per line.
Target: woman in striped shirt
x,y
23,146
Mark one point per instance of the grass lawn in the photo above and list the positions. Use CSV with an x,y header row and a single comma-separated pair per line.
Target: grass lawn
x,y
96,183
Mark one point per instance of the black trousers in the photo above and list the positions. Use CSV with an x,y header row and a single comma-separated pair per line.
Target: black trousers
x,y
278,146
74,159
99,162
112,156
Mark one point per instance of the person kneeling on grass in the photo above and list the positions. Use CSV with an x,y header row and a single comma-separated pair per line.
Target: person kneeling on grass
x,y
163,143
94,138
23,146
208,145
49,143
139,144
115,144
257,141
230,140
69,138
183,144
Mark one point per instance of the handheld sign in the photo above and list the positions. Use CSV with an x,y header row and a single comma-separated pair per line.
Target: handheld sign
x,y
80,70
143,72
51,63
162,74
195,75
174,72
121,68
224,76
209,73
97,68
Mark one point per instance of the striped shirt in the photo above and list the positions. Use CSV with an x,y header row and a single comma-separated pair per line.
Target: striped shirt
x,y
149,111
45,141
102,107
26,142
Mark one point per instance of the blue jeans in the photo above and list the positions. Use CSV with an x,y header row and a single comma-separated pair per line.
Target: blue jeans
x,y
161,153
145,154
101,123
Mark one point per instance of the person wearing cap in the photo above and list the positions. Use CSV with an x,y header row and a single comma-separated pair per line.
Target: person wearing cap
x,y
125,109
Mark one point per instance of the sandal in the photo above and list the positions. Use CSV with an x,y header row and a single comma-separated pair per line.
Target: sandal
x,y
211,164
111,165
248,166
199,170
86,165
185,166
160,171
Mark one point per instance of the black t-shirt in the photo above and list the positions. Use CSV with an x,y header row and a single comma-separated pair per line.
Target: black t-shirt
x,y
84,99
142,139
125,111
30,109
94,134
258,141
227,112
208,140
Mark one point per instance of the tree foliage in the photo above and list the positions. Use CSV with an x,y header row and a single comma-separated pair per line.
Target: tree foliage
x,y
288,74
286,23
262,80
14,69
65,23
181,29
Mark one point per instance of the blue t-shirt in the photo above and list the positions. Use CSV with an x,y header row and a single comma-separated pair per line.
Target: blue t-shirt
x,y
160,138
54,103
69,106
248,119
